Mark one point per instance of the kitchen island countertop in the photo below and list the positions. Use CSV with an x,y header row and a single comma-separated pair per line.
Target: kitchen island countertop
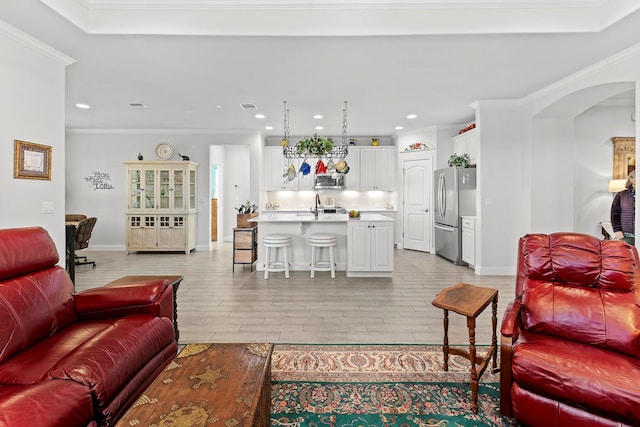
x,y
309,217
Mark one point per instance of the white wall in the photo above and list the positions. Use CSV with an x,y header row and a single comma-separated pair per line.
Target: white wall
x,y
87,151
593,154
32,78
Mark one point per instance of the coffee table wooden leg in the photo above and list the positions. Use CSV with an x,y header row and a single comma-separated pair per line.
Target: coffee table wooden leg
x,y
471,324
445,347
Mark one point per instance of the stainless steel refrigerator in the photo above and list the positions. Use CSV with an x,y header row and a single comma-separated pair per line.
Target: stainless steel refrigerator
x,y
455,196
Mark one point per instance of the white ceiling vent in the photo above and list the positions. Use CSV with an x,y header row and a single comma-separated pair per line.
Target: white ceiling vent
x,y
248,106
137,105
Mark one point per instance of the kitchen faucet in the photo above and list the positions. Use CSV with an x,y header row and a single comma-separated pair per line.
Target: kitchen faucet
x,y
315,211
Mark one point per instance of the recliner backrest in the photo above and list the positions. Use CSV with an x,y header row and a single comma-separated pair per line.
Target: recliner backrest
x,y
35,293
578,287
83,232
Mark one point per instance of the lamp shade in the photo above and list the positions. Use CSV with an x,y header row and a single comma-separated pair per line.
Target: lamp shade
x,y
616,185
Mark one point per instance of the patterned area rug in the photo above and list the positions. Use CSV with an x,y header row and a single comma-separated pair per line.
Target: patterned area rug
x,y
377,385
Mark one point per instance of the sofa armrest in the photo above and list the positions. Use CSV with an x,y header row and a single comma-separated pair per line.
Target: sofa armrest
x,y
510,329
131,298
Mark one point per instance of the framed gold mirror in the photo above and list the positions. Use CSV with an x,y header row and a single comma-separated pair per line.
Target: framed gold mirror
x,y
624,156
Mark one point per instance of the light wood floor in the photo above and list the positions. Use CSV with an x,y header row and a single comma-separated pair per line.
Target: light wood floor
x,y
216,305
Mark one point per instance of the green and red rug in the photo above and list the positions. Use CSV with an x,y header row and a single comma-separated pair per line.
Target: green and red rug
x,y
377,385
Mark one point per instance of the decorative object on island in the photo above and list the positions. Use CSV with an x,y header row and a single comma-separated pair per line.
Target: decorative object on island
x,y
31,161
459,160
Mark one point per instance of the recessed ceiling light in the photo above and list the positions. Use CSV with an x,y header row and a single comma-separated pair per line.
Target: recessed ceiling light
x,y
260,116
218,106
412,116
83,106
268,127
399,127
317,116
319,127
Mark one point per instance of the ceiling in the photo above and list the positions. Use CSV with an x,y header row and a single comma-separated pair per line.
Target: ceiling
x,y
193,63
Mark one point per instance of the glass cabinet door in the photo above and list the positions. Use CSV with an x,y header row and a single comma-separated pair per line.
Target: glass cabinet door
x,y
150,189
164,188
192,189
178,189
135,189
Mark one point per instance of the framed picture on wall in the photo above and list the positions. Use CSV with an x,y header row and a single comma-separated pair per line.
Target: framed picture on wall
x,y
31,161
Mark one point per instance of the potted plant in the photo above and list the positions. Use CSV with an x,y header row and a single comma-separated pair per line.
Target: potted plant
x,y
459,160
315,146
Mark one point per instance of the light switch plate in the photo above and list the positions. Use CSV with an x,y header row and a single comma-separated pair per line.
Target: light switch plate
x,y
47,207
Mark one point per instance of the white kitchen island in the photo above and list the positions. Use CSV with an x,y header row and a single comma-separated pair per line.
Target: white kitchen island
x,y
364,247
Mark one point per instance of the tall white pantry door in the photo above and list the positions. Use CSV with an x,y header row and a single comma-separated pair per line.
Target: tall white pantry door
x,y
417,188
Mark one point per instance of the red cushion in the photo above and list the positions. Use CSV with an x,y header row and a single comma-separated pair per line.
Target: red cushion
x,y
56,403
25,250
579,375
34,307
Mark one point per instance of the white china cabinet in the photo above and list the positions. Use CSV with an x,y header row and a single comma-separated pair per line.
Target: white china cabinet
x,y
161,205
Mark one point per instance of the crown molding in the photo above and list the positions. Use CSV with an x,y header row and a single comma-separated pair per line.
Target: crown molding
x,y
340,18
34,44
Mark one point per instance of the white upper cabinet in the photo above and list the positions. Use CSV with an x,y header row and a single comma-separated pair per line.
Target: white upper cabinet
x,y
467,143
275,168
377,168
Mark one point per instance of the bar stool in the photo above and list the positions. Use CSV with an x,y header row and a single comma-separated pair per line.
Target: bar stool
x,y
319,241
275,241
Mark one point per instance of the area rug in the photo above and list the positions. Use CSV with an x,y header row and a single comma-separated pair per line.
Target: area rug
x,y
377,385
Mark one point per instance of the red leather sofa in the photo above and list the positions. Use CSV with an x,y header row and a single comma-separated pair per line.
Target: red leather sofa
x,y
74,359
570,350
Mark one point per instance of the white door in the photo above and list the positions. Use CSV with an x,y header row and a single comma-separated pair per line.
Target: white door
x,y
418,178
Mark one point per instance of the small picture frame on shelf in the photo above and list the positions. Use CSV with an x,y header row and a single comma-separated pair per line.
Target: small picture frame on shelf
x,y
31,161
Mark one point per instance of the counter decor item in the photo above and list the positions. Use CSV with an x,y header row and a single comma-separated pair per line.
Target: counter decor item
x,y
375,142
459,160
245,213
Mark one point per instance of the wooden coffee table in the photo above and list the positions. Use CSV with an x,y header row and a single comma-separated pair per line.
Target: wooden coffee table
x,y
209,384
469,300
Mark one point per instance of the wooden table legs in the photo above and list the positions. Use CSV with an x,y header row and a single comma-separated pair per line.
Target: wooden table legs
x,y
470,301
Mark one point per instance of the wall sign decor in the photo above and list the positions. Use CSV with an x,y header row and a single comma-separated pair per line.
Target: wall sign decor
x,y
99,181
31,161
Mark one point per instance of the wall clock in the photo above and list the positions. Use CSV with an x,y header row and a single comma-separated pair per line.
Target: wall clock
x,y
164,151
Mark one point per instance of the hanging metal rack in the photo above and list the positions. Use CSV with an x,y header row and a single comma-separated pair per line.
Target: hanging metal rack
x,y
338,151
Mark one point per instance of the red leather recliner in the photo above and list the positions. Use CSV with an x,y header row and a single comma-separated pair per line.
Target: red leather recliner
x,y
570,349
74,359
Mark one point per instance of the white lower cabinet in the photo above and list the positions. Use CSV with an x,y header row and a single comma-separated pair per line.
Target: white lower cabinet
x,y
369,248
469,240
161,232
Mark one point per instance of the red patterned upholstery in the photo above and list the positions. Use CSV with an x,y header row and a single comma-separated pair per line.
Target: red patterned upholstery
x,y
571,339
91,353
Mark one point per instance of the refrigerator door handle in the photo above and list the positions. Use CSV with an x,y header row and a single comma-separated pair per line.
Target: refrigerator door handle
x,y
442,199
445,227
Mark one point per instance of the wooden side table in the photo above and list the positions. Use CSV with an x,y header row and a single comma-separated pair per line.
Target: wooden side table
x,y
469,300
245,246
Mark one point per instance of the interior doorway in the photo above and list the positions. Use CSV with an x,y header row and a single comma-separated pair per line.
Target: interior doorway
x,y
417,210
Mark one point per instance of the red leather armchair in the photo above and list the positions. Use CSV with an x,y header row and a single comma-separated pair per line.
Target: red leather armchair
x,y
570,346
74,359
